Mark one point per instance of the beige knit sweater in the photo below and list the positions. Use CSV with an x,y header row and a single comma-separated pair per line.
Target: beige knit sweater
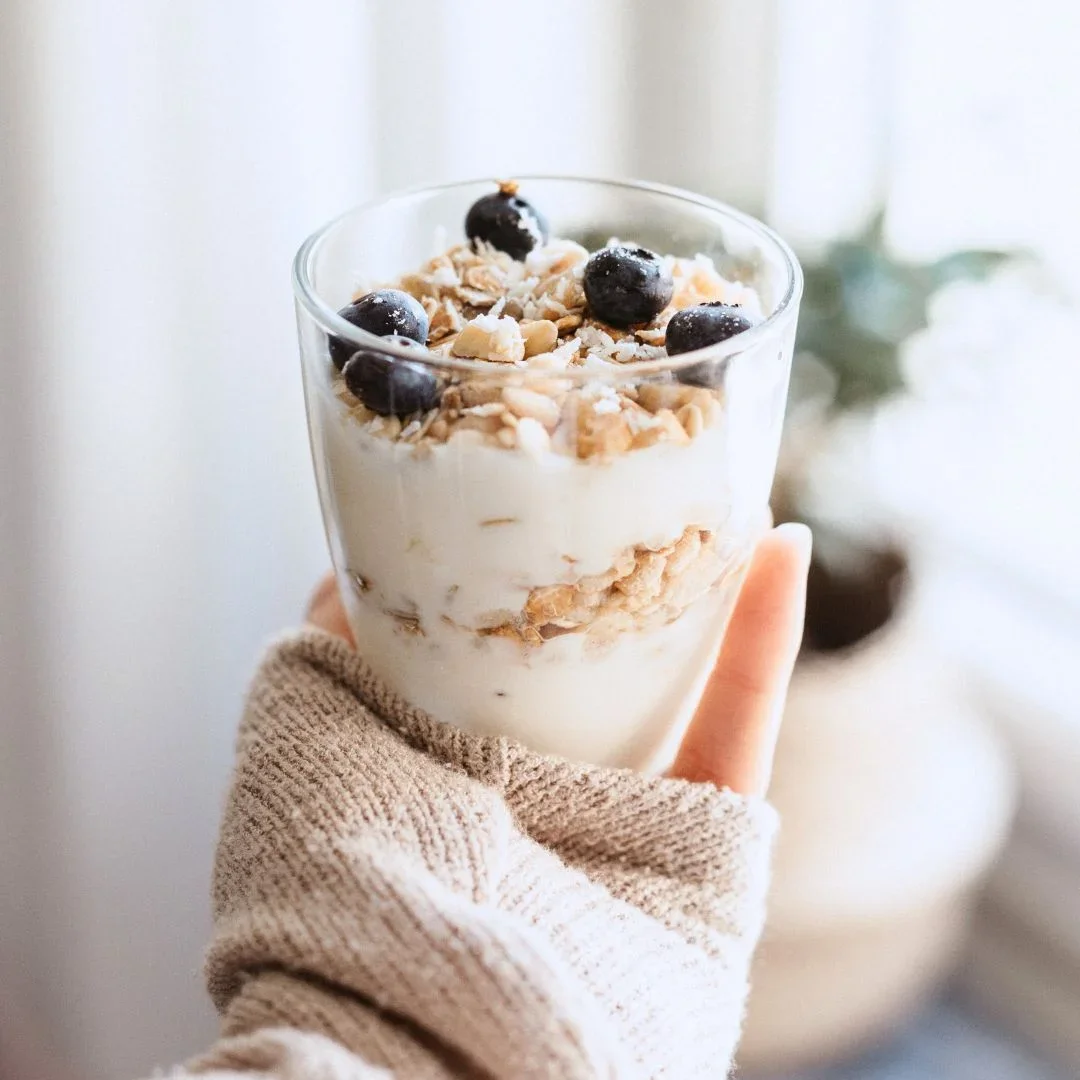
x,y
395,897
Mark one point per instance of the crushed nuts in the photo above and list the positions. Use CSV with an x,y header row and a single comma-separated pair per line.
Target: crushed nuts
x,y
530,322
540,335
490,337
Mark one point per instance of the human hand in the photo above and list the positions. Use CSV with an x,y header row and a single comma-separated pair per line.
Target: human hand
x,y
361,862
732,739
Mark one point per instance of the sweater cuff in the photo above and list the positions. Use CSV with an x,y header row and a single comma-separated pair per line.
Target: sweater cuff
x,y
667,845
695,857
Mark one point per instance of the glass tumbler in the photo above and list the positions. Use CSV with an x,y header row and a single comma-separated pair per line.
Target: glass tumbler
x,y
548,553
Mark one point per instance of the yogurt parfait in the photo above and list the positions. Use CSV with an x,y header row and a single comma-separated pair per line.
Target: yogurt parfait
x,y
545,417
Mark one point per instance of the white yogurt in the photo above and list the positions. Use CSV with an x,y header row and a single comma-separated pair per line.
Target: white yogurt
x,y
453,541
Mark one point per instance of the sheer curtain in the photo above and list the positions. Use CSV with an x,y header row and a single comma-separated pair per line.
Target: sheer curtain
x,y
159,166
169,157
161,163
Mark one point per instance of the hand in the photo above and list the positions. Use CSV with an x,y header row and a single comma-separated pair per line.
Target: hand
x,y
732,739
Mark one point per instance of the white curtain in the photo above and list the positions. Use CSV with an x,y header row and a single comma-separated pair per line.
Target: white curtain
x,y
161,163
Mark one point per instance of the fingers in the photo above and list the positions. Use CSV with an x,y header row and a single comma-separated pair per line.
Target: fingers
x,y
326,612
732,738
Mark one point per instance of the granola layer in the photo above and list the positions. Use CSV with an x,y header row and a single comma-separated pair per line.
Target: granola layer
x,y
645,588
528,321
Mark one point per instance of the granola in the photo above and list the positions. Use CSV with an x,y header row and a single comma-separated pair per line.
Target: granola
x,y
529,321
645,588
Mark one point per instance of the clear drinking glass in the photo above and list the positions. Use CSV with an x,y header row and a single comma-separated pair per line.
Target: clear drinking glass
x,y
566,584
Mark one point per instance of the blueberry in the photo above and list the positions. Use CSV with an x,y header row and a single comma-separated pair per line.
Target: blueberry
x,y
389,385
704,325
626,285
507,222
699,327
382,313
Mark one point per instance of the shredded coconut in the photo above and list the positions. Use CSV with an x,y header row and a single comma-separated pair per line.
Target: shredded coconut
x,y
529,320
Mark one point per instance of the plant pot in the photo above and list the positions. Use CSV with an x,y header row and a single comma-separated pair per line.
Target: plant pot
x,y
895,797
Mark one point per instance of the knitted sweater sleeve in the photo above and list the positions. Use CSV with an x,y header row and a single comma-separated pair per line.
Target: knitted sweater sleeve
x,y
396,897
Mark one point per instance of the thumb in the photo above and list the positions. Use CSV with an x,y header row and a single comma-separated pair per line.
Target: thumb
x,y
732,738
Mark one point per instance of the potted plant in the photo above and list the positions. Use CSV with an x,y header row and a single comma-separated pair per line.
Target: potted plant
x,y
894,793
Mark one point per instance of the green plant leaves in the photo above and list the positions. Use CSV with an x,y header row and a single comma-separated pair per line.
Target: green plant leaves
x,y
860,305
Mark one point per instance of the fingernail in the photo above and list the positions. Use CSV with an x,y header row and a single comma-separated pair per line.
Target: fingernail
x,y
798,536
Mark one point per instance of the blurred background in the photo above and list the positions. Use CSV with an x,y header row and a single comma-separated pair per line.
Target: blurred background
x,y
159,165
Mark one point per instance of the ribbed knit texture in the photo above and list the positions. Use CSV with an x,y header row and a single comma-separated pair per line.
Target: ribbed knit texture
x,y
393,896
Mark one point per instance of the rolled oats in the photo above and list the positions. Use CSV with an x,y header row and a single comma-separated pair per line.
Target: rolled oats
x,y
489,337
692,420
555,258
655,336
445,319
485,425
488,408
675,432
486,278
646,437
645,588
655,396
484,306
386,427
528,403
478,392
532,437
550,603
602,435
411,429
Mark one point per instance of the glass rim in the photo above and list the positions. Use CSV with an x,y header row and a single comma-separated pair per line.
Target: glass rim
x,y
333,323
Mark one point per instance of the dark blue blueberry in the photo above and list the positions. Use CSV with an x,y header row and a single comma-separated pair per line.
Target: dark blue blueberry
x,y
703,325
699,327
507,222
626,285
391,386
382,313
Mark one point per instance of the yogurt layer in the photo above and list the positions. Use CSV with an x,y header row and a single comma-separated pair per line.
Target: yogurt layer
x,y
551,551
439,551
